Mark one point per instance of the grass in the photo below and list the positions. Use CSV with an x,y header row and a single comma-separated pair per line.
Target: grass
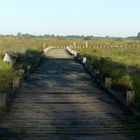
x,y
6,76
29,52
121,64
8,71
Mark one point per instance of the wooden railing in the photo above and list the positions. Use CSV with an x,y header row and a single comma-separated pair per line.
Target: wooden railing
x,y
105,84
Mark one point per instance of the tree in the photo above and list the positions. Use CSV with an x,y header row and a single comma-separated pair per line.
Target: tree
x,y
88,38
138,36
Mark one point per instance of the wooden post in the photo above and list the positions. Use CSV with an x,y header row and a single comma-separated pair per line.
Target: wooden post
x,y
86,44
108,81
130,97
9,57
14,83
21,72
84,60
97,72
18,84
44,45
3,101
29,68
74,44
20,66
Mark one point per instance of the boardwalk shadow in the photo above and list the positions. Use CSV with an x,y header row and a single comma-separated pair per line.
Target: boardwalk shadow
x,y
59,74
8,134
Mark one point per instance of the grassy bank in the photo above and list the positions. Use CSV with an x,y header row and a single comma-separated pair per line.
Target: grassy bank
x,y
28,58
121,64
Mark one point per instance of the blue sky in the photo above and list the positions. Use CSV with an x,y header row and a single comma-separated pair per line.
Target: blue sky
x,y
66,17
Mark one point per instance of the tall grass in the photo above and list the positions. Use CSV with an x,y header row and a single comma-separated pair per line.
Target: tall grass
x,y
29,53
121,64
6,76
21,44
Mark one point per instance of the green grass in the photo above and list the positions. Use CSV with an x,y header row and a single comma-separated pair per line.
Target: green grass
x,y
29,52
9,71
121,64
6,77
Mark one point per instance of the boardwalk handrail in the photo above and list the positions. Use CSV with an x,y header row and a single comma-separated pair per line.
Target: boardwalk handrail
x,y
10,57
72,52
48,49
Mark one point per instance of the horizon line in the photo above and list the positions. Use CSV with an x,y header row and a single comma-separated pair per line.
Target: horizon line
x,y
65,35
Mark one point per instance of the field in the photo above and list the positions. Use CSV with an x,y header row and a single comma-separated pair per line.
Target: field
x,y
121,64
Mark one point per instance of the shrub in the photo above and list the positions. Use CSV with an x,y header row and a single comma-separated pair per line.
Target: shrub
x,y
1,55
137,92
6,77
8,71
124,83
30,57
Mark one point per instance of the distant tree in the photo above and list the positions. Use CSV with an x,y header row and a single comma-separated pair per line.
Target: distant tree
x,y
138,36
19,34
88,38
118,39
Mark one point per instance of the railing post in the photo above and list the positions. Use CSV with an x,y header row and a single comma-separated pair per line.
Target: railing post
x,y
3,101
29,68
14,83
108,82
86,44
44,45
74,44
130,97
97,72
84,60
21,73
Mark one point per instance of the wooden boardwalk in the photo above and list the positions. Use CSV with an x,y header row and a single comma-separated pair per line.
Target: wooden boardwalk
x,y
61,102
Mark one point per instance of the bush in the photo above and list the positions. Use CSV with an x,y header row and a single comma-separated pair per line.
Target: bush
x,y
1,55
124,83
30,57
6,76
8,71
137,92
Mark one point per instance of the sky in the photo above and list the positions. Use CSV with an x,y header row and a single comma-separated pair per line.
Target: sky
x,y
70,17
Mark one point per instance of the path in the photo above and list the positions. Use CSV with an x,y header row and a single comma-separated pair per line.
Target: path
x,y
61,102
